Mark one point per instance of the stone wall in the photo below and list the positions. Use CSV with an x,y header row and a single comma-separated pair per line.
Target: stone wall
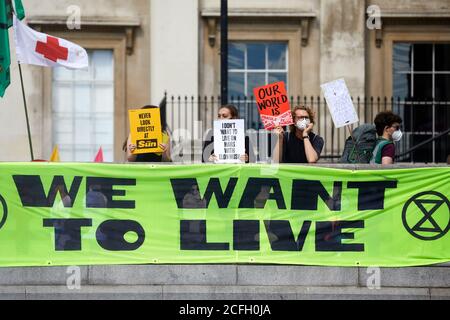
x,y
225,282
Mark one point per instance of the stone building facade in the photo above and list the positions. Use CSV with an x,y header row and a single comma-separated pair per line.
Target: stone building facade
x,y
141,49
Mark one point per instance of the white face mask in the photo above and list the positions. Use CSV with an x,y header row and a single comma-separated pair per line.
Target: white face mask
x,y
397,136
303,124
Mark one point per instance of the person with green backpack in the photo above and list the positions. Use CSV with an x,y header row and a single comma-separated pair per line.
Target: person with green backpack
x,y
388,129
363,146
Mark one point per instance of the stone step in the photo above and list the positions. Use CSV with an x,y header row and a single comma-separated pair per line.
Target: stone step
x,y
228,275
189,292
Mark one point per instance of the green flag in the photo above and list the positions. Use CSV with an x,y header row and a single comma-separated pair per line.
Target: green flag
x,y
20,12
6,12
5,9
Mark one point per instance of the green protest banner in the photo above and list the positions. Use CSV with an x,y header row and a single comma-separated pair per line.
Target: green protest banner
x,y
89,214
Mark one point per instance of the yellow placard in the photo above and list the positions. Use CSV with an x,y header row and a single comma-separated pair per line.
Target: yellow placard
x,y
145,128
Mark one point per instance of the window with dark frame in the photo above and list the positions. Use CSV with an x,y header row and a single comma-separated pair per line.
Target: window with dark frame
x,y
253,64
421,78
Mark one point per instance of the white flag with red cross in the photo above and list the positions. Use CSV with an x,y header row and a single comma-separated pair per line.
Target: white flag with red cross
x,y
40,49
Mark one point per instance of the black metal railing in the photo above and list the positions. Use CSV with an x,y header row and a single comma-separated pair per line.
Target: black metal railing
x,y
422,120
424,144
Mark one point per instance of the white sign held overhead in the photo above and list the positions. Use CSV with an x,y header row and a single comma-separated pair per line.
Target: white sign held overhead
x,y
339,103
229,141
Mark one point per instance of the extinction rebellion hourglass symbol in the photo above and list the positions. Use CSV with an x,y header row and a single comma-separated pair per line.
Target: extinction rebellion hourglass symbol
x,y
426,216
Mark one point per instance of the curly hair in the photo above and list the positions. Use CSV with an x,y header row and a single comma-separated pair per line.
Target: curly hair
x,y
310,112
386,119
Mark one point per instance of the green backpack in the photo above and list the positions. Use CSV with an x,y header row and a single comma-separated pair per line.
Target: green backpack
x,y
359,148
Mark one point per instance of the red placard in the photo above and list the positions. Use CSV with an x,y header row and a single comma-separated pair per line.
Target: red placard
x,y
273,105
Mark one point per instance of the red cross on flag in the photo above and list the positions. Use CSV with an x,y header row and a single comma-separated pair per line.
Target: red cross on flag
x,y
40,49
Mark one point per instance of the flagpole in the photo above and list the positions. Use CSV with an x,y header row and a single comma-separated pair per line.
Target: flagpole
x,y
26,112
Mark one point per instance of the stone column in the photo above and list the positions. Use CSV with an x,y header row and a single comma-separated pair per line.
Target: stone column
x,y
174,47
174,68
342,44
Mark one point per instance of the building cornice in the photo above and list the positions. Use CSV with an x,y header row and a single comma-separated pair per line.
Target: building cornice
x,y
127,25
304,18
259,13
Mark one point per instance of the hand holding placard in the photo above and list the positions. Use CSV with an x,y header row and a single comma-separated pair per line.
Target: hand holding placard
x,y
145,128
273,105
229,141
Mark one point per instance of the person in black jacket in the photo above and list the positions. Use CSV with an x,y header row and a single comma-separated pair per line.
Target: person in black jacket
x,y
225,112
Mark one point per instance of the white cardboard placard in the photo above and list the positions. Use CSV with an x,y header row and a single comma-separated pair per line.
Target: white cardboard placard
x,y
339,103
229,140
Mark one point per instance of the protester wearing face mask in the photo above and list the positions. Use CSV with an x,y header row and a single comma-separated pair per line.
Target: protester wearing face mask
x,y
300,145
388,130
